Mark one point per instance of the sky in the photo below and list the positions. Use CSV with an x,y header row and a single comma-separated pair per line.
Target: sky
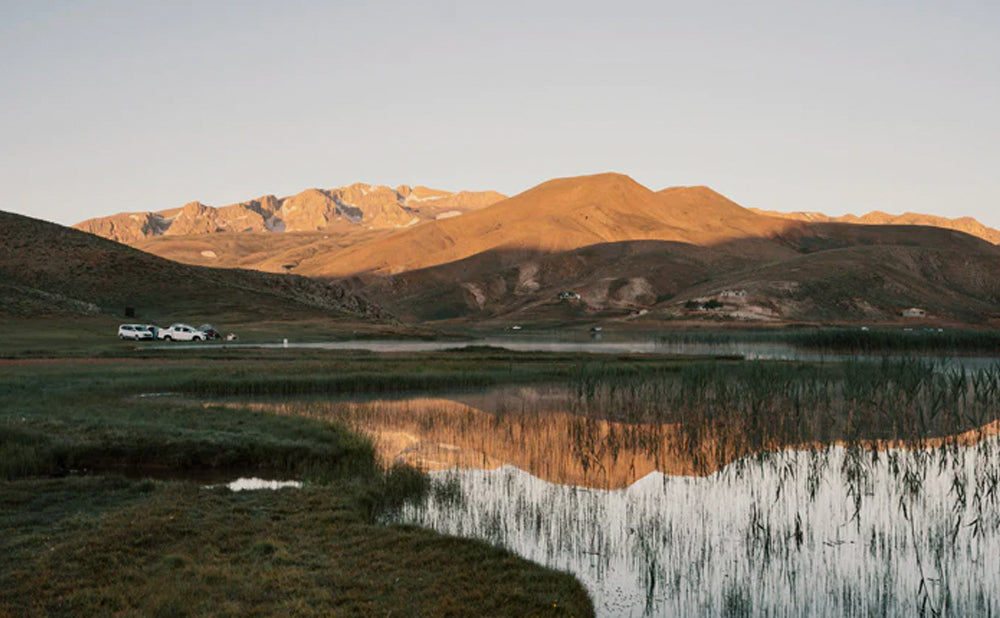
x,y
851,106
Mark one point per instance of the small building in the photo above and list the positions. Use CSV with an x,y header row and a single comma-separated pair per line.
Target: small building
x,y
568,296
914,312
733,294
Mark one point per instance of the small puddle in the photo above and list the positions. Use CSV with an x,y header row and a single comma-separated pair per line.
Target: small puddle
x,y
155,395
250,484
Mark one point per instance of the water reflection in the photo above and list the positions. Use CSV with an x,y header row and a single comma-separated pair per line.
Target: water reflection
x,y
723,490
777,535
599,343
610,438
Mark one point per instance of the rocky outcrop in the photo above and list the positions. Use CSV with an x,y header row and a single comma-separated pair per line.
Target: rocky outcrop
x,y
125,227
358,205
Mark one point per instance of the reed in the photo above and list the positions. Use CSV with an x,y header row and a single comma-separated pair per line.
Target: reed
x,y
855,340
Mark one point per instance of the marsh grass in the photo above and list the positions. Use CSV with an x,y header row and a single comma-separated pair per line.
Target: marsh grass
x,y
855,340
78,539
758,407
609,424
63,415
104,546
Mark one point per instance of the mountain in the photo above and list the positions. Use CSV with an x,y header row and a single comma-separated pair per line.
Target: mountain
x,y
603,247
48,269
558,215
830,274
961,224
342,209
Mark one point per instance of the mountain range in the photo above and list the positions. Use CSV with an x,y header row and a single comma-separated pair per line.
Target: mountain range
x,y
342,209
587,249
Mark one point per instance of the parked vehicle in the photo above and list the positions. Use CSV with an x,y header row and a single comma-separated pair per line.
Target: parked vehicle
x,y
137,331
182,332
210,332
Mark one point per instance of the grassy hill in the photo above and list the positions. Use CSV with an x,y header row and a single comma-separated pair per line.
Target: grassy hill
x,y
47,269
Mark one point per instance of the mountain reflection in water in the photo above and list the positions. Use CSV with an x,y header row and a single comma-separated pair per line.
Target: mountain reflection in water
x,y
544,431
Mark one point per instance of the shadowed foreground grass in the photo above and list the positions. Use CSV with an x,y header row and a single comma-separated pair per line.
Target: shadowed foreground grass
x,y
177,549
105,544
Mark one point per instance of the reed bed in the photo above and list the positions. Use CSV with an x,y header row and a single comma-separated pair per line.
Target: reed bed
x,y
855,340
724,488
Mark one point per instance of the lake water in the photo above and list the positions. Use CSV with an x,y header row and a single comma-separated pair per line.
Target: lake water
x,y
256,484
776,536
701,494
748,350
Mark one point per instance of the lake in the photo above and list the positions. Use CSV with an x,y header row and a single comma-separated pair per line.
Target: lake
x,y
748,350
734,490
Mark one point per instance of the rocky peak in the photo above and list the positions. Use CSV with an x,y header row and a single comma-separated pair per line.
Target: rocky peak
x,y
359,204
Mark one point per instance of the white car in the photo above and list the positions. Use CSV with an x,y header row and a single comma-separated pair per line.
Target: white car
x,y
182,332
137,331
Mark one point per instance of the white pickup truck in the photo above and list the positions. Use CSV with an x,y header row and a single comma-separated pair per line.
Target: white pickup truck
x,y
182,332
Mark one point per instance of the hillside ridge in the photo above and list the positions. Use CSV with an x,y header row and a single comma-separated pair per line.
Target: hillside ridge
x,y
969,225
49,269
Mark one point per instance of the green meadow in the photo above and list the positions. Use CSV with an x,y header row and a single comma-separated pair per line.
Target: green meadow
x,y
110,501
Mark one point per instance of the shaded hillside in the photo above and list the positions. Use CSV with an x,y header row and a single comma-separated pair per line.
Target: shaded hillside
x,y
338,210
49,269
611,279
863,283
829,272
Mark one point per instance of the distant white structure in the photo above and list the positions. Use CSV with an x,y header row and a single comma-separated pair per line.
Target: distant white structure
x,y
914,312
733,294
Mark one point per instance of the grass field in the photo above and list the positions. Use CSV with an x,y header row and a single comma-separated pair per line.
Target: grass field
x,y
104,508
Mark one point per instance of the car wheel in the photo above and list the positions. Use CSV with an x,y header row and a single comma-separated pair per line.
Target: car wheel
x,y
195,338
166,337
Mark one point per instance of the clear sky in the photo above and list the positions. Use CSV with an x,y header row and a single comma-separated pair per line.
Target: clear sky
x,y
845,106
